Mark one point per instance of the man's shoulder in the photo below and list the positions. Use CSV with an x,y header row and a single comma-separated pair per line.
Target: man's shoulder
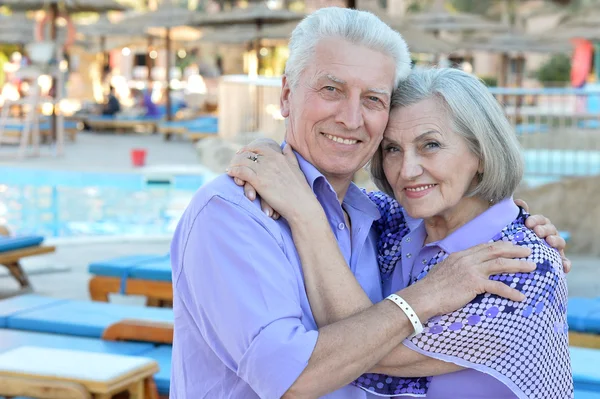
x,y
227,200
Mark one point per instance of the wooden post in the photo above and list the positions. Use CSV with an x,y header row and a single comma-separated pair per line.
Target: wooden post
x,y
169,113
53,124
149,61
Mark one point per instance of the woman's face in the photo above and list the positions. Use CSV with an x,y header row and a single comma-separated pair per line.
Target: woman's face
x,y
428,165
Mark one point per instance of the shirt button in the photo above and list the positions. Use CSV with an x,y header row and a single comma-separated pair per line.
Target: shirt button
x,y
341,226
424,261
408,256
407,239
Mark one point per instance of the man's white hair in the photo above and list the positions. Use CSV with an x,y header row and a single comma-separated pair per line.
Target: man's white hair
x,y
358,27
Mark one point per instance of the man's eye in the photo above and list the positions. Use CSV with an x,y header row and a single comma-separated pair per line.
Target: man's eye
x,y
374,99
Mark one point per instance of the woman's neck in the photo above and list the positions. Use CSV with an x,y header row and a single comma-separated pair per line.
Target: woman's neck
x,y
441,226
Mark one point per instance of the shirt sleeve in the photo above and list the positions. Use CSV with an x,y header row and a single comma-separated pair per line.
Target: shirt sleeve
x,y
244,295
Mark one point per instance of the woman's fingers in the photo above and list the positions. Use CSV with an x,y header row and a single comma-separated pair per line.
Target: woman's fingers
x,y
266,208
239,181
249,192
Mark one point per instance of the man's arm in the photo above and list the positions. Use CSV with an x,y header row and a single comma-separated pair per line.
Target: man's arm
x,y
243,294
444,288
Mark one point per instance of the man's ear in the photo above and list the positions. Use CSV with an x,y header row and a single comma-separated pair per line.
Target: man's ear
x,y
284,100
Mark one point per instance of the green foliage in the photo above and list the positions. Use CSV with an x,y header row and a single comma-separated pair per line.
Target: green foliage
x,y
556,69
472,6
490,81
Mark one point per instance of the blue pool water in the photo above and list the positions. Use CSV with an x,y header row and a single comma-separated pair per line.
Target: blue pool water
x,y
73,204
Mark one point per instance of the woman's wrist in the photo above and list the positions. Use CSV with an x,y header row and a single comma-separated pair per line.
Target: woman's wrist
x,y
308,217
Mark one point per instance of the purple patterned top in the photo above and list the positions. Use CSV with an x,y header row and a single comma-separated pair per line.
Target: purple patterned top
x,y
509,349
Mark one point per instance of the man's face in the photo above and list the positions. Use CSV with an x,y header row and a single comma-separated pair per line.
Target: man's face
x,y
339,109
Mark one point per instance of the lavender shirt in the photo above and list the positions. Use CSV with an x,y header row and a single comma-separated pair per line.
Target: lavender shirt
x,y
243,324
469,383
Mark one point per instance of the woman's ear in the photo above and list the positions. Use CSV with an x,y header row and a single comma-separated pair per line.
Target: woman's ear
x,y
480,168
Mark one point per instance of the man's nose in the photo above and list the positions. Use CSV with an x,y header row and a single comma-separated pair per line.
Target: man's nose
x,y
350,113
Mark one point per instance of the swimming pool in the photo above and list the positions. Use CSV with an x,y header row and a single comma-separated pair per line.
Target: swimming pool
x,y
76,204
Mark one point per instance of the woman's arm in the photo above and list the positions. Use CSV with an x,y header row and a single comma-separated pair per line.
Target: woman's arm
x,y
335,294
332,289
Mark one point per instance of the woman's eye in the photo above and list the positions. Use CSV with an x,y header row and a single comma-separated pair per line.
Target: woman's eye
x,y
391,149
330,88
432,145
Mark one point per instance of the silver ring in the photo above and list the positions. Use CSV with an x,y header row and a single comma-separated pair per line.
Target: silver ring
x,y
253,158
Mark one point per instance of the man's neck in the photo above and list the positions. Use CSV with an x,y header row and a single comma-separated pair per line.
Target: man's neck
x,y
340,186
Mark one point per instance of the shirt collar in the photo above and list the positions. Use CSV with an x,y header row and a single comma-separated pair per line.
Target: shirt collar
x,y
320,186
481,229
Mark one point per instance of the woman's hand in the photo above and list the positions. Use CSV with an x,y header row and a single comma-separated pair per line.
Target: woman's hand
x,y
277,178
543,227
249,190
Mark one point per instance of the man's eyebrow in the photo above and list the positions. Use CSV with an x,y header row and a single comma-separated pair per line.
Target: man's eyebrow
x,y
335,79
380,91
343,82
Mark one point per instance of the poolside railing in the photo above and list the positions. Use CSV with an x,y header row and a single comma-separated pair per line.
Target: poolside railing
x,y
558,128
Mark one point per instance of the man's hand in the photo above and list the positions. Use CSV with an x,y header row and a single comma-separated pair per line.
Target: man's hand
x,y
462,276
543,227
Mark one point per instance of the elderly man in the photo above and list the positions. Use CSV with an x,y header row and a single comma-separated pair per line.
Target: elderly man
x,y
243,324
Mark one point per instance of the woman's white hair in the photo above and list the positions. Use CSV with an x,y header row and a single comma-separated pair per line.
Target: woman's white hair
x,y
476,116
358,27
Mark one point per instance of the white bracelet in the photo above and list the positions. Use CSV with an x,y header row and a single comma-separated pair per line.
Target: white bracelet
x,y
410,313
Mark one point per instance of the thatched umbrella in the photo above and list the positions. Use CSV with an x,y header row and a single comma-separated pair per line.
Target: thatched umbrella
x,y
438,19
105,28
167,17
515,42
582,24
247,34
256,14
417,40
54,7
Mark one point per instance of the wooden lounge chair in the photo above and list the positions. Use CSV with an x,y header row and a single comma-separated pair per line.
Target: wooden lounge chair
x,y
76,373
145,275
36,320
122,124
13,249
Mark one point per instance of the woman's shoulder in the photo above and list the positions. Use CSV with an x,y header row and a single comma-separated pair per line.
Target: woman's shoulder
x,y
519,234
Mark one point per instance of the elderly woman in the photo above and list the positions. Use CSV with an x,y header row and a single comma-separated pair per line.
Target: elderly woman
x,y
451,162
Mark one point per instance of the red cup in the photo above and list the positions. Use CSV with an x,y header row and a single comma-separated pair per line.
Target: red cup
x,y
138,157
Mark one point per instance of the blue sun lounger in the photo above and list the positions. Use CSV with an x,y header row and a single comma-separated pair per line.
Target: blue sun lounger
x,y
586,373
584,322
71,317
193,129
63,323
13,249
70,127
146,275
